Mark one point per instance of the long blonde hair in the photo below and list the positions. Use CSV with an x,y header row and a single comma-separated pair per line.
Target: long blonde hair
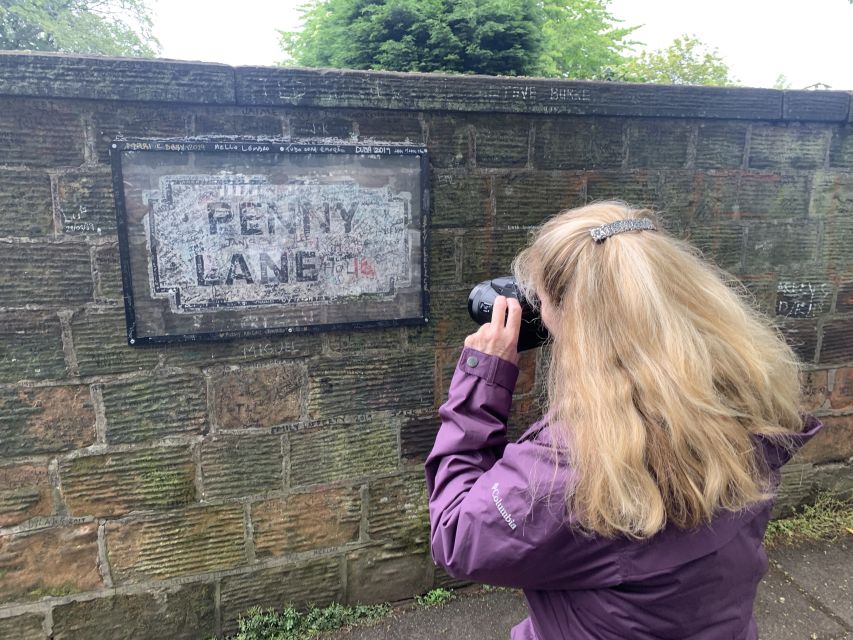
x,y
659,374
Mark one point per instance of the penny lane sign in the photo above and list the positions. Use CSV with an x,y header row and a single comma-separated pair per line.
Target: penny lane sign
x,y
222,239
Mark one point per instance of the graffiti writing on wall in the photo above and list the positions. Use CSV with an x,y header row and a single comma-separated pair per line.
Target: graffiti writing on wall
x,y
239,241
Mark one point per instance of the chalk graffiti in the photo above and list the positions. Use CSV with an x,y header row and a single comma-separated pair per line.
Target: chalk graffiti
x,y
801,299
220,241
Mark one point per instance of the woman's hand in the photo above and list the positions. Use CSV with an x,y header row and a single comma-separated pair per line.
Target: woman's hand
x,y
496,337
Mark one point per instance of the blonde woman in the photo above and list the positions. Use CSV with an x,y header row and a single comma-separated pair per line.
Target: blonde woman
x,y
635,509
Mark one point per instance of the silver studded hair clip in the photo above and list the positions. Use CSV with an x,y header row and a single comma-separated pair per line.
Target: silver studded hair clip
x,y
600,234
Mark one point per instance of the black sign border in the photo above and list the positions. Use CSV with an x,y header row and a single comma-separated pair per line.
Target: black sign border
x,y
255,146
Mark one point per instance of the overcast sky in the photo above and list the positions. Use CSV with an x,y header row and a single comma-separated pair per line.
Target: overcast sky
x,y
808,41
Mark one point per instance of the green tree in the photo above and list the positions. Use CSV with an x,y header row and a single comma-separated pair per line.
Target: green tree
x,y
107,27
581,40
686,61
568,38
500,37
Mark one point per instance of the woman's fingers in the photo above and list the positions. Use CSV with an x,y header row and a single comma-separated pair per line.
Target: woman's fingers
x,y
513,320
500,336
499,312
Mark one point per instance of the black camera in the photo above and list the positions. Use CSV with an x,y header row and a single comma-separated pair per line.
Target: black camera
x,y
482,297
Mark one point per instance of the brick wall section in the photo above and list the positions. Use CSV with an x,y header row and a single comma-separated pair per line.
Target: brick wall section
x,y
171,488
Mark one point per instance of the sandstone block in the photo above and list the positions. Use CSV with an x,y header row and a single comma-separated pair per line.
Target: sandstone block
x,y
305,521
802,338
837,345
815,386
40,133
320,123
686,199
842,389
831,106
37,420
803,297
795,146
258,397
30,346
25,627
25,204
100,341
722,242
578,143
488,253
837,240
232,121
833,444
500,140
773,195
370,383
86,206
391,126
269,349
763,288
832,194
720,145
376,575
844,303
449,320
168,545
638,188
49,562
24,493
113,484
769,245
108,273
240,465
460,201
116,79
417,434
178,613
315,583
530,198
49,274
398,515
659,144
356,447
841,148
154,407
449,140
354,342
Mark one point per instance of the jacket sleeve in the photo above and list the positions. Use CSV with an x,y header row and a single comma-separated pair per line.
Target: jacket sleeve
x,y
497,511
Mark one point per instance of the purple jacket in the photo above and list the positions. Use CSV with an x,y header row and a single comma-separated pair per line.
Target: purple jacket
x,y
492,521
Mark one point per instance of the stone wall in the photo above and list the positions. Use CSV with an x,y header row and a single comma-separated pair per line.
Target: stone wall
x,y
160,492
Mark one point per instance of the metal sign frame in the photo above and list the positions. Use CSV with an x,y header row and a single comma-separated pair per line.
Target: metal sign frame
x,y
119,147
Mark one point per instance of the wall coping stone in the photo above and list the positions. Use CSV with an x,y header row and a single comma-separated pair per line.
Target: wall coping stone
x,y
51,75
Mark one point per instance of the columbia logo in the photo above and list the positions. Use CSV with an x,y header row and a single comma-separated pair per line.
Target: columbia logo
x,y
496,496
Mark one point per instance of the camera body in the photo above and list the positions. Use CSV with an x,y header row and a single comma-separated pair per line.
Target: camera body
x,y
482,298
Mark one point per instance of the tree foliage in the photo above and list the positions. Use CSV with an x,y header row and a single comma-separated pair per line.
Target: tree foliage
x,y
581,40
107,27
686,61
476,36
577,39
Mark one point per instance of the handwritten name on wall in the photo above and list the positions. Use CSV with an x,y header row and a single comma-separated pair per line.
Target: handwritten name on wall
x,y
219,241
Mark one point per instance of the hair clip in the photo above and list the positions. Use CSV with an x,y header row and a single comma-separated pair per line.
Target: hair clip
x,y
600,234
